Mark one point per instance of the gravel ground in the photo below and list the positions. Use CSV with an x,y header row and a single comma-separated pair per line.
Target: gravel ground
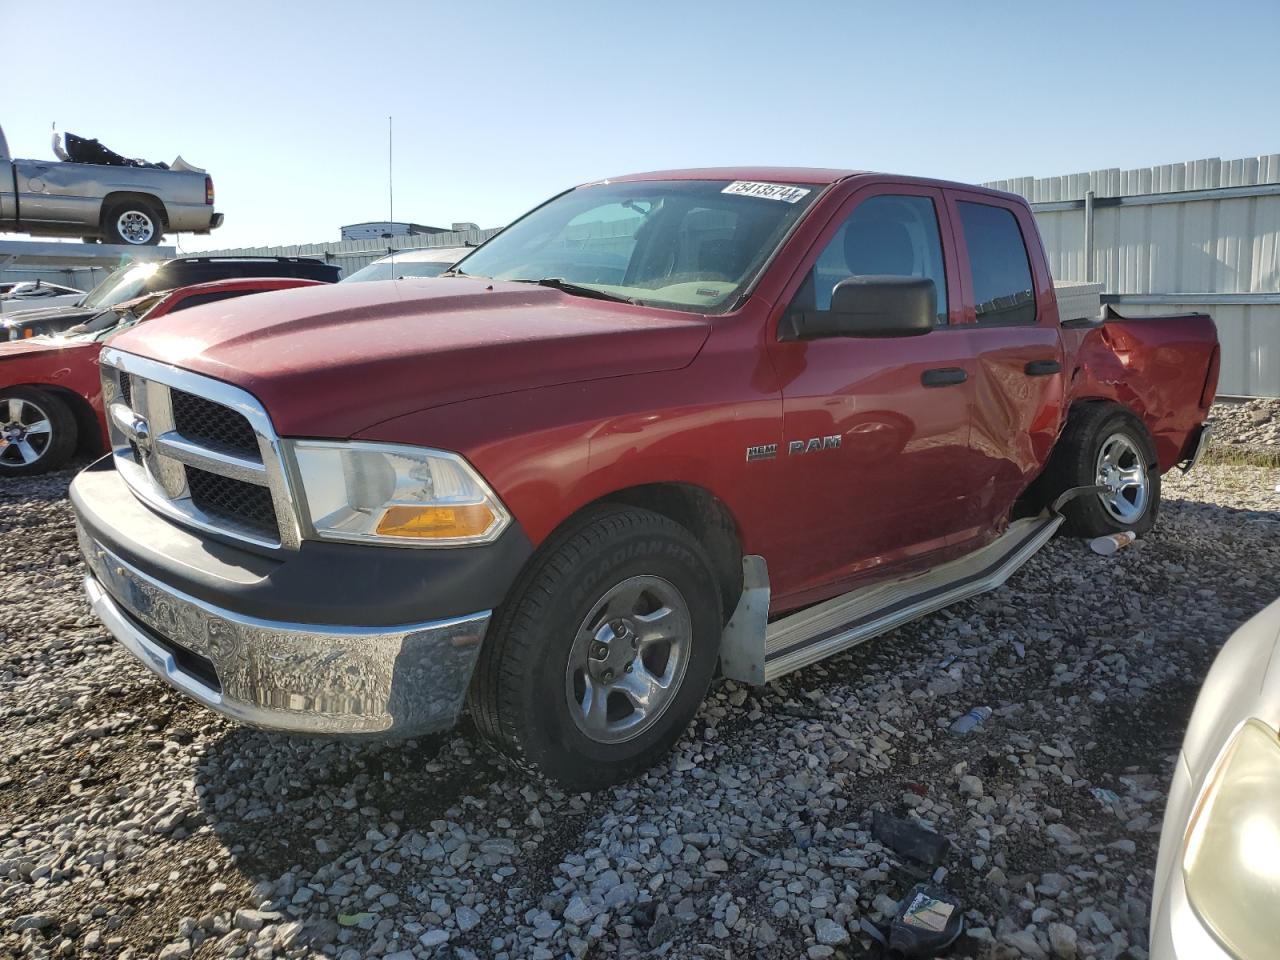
x,y
1254,422
135,824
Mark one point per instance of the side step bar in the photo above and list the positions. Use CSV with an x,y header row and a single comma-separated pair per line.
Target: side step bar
x,y
755,651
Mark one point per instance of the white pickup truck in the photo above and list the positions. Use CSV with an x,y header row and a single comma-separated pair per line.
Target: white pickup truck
x,y
134,205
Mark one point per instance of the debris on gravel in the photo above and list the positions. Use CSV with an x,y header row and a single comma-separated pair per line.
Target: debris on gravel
x,y
135,824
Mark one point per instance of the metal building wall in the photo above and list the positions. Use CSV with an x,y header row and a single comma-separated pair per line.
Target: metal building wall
x,y
351,255
1202,235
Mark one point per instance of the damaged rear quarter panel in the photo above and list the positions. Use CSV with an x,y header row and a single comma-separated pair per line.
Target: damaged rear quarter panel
x,y
1155,366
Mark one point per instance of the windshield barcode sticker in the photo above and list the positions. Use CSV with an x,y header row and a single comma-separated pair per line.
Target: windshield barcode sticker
x,y
767,191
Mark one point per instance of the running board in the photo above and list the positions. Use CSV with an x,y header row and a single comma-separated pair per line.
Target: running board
x,y
755,651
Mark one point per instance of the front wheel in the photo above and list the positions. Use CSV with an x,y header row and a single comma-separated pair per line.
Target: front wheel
x,y
600,658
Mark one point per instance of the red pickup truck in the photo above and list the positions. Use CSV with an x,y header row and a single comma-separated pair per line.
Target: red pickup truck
x,y
662,425
51,388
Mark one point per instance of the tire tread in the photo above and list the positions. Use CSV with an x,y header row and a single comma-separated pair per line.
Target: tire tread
x,y
511,645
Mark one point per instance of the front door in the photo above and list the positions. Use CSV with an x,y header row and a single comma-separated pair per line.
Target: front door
x,y
875,431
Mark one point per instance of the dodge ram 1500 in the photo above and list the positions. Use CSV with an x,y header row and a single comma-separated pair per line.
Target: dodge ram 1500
x,y
662,425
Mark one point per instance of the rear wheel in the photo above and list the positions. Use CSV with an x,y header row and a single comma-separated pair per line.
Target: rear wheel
x,y
603,653
1106,445
133,222
37,432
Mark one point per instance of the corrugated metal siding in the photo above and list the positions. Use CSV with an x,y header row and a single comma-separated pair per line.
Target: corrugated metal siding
x,y
351,255
1209,245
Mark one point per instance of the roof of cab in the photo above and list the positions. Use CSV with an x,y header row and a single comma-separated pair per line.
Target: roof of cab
x,y
818,176
815,176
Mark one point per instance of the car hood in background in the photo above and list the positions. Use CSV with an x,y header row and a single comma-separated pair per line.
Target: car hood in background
x,y
331,361
67,315
38,346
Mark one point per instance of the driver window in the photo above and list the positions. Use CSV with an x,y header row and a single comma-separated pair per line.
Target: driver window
x,y
894,236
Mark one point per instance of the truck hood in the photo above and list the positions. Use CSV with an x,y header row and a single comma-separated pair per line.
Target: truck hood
x,y
330,361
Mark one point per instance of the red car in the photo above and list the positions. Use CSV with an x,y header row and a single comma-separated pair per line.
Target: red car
x,y
662,425
51,388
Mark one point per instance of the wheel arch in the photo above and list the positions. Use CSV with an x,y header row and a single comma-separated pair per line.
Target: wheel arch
x,y
117,197
699,511
1042,490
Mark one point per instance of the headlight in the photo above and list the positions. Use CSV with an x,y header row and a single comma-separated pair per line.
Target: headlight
x,y
387,493
1232,857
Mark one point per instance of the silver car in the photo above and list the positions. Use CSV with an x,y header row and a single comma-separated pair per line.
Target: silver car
x,y
1217,885
422,262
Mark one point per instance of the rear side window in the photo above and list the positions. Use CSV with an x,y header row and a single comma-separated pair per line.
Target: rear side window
x,y
1002,286
886,235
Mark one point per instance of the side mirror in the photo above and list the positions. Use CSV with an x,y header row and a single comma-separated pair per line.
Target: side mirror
x,y
872,306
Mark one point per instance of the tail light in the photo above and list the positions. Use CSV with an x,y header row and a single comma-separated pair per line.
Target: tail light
x,y
208,190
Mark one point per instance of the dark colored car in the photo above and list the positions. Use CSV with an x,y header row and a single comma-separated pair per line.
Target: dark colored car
x,y
139,279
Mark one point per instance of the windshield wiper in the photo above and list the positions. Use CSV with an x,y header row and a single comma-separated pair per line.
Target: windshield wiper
x,y
577,289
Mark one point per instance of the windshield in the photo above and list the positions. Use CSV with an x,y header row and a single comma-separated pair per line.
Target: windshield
x,y
121,284
395,269
688,244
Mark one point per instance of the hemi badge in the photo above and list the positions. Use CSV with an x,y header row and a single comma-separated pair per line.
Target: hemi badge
x,y
766,451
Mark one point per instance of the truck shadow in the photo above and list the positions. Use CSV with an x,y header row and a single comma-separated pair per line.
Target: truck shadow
x,y
287,802
340,816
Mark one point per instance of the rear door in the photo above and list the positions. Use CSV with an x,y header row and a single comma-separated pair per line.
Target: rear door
x,y
875,430
57,192
1011,322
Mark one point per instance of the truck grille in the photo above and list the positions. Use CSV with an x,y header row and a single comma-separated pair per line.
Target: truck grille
x,y
237,503
198,450
212,424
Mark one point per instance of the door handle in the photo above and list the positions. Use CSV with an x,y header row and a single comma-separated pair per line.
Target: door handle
x,y
1042,368
943,377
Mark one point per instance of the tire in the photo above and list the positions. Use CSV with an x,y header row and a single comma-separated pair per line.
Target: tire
x,y
1098,435
135,223
24,451
571,635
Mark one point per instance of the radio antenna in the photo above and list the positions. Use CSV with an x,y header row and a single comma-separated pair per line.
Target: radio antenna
x,y
391,192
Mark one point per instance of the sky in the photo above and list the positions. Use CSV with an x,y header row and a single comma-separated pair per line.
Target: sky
x,y
499,105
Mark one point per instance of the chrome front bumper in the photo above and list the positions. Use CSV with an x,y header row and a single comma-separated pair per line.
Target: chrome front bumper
x,y
303,678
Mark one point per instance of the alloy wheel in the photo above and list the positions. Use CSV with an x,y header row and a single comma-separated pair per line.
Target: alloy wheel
x,y
628,659
1122,469
25,433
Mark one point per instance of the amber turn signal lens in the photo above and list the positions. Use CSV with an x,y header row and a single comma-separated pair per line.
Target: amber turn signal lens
x,y
436,523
